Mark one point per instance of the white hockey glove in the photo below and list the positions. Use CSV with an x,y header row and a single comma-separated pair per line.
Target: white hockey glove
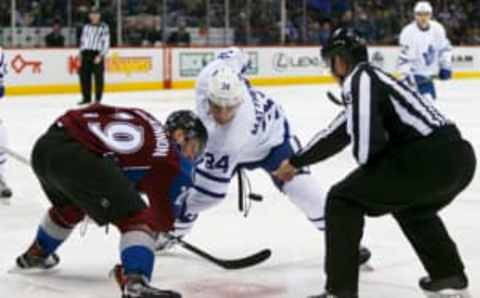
x,y
408,79
183,225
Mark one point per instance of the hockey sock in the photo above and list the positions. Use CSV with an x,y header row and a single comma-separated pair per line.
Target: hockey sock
x,y
137,253
305,193
50,235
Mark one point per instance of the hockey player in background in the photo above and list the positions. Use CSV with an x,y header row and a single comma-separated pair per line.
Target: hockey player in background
x,y
97,162
426,52
5,191
247,130
404,147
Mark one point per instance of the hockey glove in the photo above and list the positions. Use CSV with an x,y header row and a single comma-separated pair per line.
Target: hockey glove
x,y
2,91
445,74
166,241
408,80
183,224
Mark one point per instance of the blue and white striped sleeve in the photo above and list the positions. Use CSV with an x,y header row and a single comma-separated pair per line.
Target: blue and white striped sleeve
x,y
209,189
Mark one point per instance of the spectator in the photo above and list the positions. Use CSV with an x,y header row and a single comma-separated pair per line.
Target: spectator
x,y
181,37
154,34
55,39
324,32
364,27
134,32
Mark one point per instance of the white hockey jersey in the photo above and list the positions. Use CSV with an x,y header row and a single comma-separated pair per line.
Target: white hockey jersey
x,y
258,125
424,52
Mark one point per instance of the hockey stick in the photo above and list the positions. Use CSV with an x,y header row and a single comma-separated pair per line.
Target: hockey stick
x,y
18,157
229,264
335,99
226,264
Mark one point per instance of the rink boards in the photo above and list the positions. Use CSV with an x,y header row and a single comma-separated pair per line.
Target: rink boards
x,y
53,71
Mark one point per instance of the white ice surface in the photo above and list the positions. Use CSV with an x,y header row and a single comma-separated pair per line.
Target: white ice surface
x,y
296,266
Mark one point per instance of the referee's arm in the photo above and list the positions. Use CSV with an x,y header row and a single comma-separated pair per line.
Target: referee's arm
x,y
324,144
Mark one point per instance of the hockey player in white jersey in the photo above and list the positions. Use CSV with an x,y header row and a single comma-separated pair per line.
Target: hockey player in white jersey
x,y
426,52
247,130
5,191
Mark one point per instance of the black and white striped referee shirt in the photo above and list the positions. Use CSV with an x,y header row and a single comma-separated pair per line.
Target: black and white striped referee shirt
x,y
95,38
380,112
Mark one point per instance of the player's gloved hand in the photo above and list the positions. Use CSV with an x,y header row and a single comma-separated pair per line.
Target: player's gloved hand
x,y
2,91
168,240
184,222
408,79
165,241
445,74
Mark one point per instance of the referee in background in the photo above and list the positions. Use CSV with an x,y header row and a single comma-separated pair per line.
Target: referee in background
x,y
413,162
94,45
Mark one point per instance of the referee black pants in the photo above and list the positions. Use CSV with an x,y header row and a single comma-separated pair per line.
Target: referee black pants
x,y
89,69
412,183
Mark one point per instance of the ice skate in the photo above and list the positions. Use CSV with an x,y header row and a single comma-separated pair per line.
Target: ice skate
x,y
34,257
450,287
136,286
5,191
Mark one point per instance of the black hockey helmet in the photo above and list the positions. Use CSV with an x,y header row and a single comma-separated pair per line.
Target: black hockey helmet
x,y
189,123
346,43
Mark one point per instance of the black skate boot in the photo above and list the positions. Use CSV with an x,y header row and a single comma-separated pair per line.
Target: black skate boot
x,y
5,191
450,287
364,255
36,258
136,286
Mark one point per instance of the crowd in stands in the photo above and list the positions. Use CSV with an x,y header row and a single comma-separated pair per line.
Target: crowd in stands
x,y
255,22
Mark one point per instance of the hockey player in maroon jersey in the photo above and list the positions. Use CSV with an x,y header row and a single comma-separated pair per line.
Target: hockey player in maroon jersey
x,y
97,162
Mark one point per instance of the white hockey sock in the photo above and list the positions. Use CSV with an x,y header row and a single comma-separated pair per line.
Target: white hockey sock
x,y
305,193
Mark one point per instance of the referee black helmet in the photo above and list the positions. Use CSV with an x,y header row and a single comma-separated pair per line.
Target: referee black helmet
x,y
346,43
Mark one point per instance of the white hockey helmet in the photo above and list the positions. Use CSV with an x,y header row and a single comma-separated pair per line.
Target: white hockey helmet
x,y
423,7
225,87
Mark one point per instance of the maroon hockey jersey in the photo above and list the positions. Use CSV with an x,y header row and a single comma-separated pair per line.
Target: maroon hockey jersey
x,y
139,144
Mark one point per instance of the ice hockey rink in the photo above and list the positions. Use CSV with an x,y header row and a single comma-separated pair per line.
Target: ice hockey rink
x,y
296,266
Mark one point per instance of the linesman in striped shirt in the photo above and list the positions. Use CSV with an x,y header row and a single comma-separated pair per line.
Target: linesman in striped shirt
x,y
94,45
412,160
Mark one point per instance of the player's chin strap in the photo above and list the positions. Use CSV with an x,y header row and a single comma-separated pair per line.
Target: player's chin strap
x,y
245,194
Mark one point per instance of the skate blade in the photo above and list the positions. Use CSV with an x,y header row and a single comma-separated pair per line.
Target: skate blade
x,y
30,271
366,267
449,293
5,201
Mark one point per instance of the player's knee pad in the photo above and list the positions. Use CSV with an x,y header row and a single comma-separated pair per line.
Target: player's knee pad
x,y
66,217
